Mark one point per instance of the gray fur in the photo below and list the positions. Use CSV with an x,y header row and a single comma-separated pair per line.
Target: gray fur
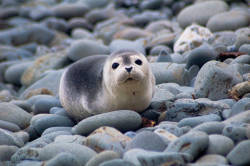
x,y
85,76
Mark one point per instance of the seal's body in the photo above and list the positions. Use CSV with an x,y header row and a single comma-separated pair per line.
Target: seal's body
x,y
100,83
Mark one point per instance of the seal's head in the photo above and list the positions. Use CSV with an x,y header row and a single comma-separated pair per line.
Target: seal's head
x,y
127,67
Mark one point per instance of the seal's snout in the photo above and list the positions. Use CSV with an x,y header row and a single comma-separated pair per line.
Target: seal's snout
x,y
128,69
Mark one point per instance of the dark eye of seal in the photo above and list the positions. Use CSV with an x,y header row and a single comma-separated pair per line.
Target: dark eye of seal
x,y
115,65
138,62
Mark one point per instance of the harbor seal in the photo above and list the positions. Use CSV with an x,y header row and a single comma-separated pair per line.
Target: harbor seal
x,y
101,83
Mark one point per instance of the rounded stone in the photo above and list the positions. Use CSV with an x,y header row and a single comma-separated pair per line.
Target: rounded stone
x,y
123,120
132,34
193,143
116,162
26,34
165,72
9,126
56,24
99,15
241,106
58,111
29,163
79,23
144,18
79,33
42,122
145,157
193,36
164,57
107,138
195,121
171,128
242,37
92,4
44,105
240,154
219,144
214,79
81,153
236,131
243,117
102,157
84,48
210,127
70,139
14,73
22,104
14,114
151,4
148,141
52,136
63,159
118,44
199,56
200,12
48,85
243,59
212,159
231,20
67,11
10,138
157,50
245,48
6,152
181,109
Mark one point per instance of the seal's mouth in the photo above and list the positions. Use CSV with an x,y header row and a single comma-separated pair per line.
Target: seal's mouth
x,y
130,79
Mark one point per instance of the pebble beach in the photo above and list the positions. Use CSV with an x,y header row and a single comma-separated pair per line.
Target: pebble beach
x,y
199,52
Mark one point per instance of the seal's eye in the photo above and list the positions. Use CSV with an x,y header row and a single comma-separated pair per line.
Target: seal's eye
x,y
115,65
138,62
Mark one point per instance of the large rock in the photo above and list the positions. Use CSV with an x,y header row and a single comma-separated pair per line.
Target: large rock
x,y
232,20
199,56
84,48
132,34
148,141
14,73
42,122
192,37
26,34
118,44
82,153
49,84
41,65
141,157
107,138
12,113
240,154
95,3
192,143
200,12
10,138
123,120
67,11
165,72
6,152
215,79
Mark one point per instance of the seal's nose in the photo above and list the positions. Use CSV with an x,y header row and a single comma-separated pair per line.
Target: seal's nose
x,y
128,69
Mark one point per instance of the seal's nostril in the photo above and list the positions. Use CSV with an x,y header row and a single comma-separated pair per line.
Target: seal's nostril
x,y
128,69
